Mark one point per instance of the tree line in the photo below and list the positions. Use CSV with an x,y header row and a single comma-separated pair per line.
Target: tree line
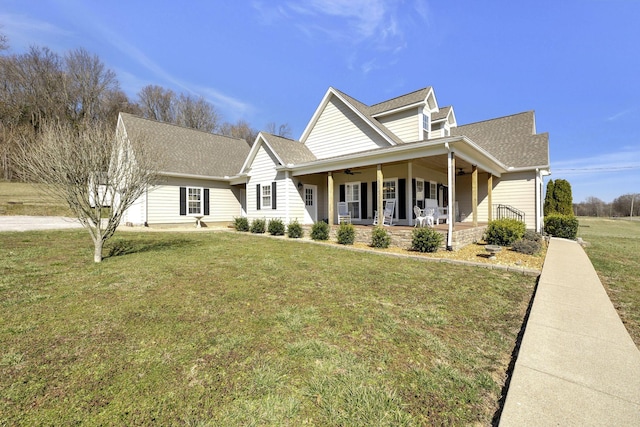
x,y
622,206
41,86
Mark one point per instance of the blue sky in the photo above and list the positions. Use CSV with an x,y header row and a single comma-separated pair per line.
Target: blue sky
x,y
575,62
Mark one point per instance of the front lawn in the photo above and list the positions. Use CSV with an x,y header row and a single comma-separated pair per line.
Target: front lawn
x,y
614,250
234,329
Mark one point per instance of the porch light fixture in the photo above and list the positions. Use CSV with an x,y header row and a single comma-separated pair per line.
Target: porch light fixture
x,y
299,185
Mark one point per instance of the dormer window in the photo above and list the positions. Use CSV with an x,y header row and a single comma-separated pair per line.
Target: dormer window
x,y
426,123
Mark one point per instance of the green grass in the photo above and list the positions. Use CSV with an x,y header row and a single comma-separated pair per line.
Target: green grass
x,y
18,198
615,253
235,329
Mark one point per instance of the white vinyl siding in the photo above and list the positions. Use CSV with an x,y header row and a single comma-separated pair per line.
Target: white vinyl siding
x,y
404,124
517,190
163,204
263,172
339,130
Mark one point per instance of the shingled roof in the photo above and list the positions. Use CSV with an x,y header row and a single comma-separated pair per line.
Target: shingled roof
x,y
401,101
189,151
511,139
288,150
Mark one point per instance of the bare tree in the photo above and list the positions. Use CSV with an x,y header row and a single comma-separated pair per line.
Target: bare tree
x,y
284,130
88,84
98,172
241,129
196,113
157,103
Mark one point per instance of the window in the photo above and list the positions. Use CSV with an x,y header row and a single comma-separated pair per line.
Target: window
x,y
389,190
433,190
194,200
420,193
308,197
266,196
352,197
426,123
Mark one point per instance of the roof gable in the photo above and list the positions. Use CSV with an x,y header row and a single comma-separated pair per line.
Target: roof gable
x,y
285,151
188,151
357,107
511,139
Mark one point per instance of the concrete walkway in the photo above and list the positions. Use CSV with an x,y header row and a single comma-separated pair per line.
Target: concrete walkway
x,y
577,364
27,223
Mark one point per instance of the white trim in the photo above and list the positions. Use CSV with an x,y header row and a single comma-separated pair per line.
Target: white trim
x,y
314,191
201,191
262,196
358,185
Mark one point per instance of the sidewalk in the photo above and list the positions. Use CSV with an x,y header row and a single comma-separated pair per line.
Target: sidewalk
x,y
577,364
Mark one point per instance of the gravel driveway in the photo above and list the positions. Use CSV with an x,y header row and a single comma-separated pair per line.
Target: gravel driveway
x,y
26,223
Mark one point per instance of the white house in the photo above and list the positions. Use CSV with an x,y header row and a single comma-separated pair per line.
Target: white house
x,y
407,149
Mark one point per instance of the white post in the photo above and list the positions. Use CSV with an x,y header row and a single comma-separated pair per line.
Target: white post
x,y
450,184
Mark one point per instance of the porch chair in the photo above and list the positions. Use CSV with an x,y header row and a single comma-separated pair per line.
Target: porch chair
x,y
423,215
439,214
343,213
387,214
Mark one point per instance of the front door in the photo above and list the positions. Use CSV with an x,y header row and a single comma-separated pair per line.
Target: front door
x,y
310,194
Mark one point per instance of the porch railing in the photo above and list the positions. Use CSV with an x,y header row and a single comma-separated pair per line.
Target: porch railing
x,y
506,211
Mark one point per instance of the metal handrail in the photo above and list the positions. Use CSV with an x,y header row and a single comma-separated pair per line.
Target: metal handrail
x,y
506,211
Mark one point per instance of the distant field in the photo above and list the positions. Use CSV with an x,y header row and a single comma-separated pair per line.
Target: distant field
x,y
17,198
615,254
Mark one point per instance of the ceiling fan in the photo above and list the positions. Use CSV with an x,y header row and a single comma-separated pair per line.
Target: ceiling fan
x,y
461,172
350,172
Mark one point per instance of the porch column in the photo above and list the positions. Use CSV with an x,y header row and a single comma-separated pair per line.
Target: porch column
x,y
474,194
410,198
490,196
451,182
379,208
330,194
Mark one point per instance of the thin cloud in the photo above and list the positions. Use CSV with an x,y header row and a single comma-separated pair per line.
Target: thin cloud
x,y
624,160
24,31
377,23
220,100
619,115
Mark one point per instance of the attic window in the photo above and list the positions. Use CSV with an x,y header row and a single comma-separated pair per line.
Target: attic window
x,y
426,123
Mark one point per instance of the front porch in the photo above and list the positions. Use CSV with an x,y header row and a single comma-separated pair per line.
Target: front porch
x,y
463,234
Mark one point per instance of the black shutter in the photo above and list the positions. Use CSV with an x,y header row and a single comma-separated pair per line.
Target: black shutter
x,y
258,196
206,201
374,195
342,193
363,199
183,200
427,190
402,199
273,195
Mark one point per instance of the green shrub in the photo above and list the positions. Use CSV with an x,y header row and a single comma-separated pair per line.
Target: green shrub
x,y
526,246
258,226
320,231
241,223
426,240
380,238
276,227
532,235
565,226
503,232
346,234
294,230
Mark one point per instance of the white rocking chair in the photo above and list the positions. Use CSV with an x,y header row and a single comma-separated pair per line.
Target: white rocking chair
x,y
387,214
343,213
